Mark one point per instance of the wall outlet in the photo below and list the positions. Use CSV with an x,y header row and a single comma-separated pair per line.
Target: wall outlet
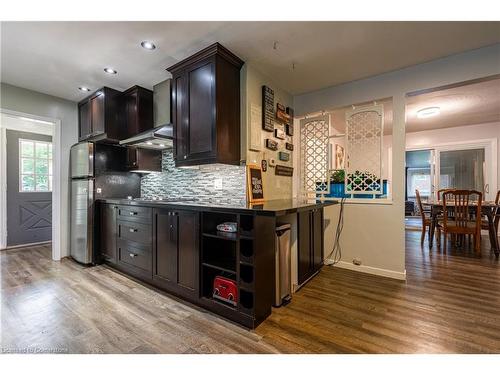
x,y
356,262
218,183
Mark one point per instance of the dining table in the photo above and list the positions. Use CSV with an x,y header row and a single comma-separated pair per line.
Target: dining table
x,y
489,209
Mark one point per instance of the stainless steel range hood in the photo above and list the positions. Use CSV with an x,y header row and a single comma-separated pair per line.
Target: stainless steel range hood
x,y
161,137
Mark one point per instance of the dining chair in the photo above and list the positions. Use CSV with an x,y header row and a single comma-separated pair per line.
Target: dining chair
x,y
456,215
485,224
426,220
441,191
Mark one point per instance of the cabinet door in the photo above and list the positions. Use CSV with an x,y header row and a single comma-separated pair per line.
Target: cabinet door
x,y
304,242
165,248
188,247
97,110
317,238
108,232
131,113
179,94
201,111
84,120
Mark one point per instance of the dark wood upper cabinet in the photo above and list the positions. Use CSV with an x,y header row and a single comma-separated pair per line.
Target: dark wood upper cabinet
x,y
206,107
142,159
99,117
176,251
310,243
137,105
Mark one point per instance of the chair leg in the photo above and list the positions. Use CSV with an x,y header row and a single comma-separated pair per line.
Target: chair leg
x,y
438,238
422,237
477,243
445,239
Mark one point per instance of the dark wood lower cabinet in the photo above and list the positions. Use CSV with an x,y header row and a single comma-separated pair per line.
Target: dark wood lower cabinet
x,y
176,251
181,252
310,243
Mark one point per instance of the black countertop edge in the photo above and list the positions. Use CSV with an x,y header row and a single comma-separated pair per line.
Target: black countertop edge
x,y
278,207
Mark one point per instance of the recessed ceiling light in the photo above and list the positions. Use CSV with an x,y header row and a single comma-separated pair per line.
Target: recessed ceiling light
x,y
110,71
148,45
428,112
83,88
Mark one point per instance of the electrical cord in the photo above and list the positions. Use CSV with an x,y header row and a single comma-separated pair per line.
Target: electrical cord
x,y
336,253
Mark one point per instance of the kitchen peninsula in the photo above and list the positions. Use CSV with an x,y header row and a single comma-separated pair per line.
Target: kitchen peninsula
x,y
175,246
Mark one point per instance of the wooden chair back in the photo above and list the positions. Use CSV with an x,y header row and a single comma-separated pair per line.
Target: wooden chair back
x,y
456,209
497,212
419,203
441,191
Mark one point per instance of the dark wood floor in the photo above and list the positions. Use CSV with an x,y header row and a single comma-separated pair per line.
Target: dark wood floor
x,y
450,303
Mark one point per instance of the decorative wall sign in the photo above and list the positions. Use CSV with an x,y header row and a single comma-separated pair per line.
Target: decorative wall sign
x,y
289,112
272,145
289,146
267,109
280,134
255,188
283,156
281,114
263,165
283,170
255,127
289,129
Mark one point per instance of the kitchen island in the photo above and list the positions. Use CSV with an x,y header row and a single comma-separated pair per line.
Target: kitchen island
x,y
175,246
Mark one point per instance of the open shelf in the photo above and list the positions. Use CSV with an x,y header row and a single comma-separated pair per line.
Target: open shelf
x,y
246,226
246,302
246,250
246,273
222,235
219,268
212,219
219,253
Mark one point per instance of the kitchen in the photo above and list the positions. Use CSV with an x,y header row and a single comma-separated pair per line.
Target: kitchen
x,y
230,187
166,233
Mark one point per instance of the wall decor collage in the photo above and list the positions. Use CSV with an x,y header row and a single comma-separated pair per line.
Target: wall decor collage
x,y
277,121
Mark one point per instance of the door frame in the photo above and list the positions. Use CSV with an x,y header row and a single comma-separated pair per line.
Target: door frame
x,y
491,153
56,178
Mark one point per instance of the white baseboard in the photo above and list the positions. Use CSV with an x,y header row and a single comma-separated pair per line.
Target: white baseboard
x,y
372,270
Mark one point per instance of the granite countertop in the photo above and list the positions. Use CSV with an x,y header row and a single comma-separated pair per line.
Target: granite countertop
x,y
276,207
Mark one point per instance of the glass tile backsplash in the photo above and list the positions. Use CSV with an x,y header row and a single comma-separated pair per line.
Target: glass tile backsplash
x,y
199,183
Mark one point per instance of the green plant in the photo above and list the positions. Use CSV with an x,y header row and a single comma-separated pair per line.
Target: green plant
x,y
338,176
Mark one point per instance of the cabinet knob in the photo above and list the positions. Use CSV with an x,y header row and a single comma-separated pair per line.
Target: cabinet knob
x,y
132,255
132,230
185,156
132,213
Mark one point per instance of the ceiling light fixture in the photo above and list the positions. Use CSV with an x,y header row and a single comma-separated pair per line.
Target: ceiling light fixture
x,y
83,88
428,112
146,44
110,71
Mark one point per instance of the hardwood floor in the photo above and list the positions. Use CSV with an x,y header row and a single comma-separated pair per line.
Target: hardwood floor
x,y
450,303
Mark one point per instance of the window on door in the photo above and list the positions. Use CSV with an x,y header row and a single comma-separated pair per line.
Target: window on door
x,y
462,169
35,166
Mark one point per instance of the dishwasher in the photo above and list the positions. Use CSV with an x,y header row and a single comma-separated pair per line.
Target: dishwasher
x,y
283,286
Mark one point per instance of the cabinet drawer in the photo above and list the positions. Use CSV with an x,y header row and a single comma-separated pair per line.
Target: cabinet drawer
x,y
136,256
136,214
135,232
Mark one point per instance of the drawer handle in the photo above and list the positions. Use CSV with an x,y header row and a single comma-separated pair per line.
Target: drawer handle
x,y
132,230
132,213
132,255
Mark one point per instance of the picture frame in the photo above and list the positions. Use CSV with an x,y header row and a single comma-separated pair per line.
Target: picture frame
x,y
255,186
339,156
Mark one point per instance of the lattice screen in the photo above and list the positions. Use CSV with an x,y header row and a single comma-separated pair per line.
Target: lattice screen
x,y
314,133
364,132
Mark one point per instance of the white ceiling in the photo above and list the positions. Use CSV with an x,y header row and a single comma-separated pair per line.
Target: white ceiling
x,y
57,57
468,104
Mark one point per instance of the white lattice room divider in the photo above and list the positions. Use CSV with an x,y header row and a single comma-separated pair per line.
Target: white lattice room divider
x,y
314,158
364,136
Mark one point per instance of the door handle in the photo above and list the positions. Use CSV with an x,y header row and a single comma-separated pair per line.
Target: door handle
x,y
132,230
487,188
132,213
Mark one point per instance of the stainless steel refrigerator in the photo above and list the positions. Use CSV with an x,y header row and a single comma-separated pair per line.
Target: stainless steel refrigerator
x,y
97,171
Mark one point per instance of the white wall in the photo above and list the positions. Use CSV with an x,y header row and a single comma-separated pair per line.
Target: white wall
x,y
375,233
17,99
458,134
